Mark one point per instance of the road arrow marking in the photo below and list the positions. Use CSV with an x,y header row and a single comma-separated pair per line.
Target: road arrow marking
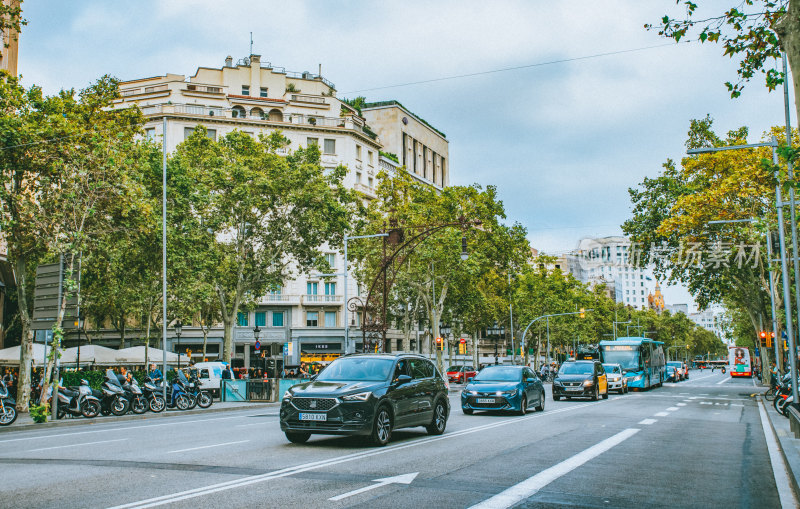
x,y
398,479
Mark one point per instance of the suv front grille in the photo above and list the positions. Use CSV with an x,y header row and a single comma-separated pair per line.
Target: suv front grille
x,y
571,384
317,404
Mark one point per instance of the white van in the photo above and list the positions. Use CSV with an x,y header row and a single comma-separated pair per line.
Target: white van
x,y
210,375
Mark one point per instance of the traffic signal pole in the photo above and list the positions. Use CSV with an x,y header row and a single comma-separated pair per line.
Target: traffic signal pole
x,y
582,314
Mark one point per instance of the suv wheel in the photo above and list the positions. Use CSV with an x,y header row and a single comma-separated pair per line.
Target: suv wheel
x,y
596,393
439,422
540,406
523,405
605,396
297,437
382,426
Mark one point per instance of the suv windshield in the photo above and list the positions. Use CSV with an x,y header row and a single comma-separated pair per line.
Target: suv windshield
x,y
356,368
576,368
499,374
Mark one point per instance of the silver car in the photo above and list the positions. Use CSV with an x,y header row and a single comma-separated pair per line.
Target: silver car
x,y
616,378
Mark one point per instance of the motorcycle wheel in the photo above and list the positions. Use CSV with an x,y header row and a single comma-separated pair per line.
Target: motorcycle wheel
x,y
182,402
138,406
60,413
119,406
192,401
9,416
778,404
204,400
157,404
90,409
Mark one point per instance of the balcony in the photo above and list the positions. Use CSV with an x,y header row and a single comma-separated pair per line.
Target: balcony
x,y
279,298
314,99
322,299
366,190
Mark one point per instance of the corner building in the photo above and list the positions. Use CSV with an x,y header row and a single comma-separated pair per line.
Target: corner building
x,y
305,319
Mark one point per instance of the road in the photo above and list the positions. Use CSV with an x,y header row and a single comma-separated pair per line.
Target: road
x,y
698,443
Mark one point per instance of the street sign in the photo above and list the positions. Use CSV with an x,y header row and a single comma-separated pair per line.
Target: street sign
x,y
49,288
257,346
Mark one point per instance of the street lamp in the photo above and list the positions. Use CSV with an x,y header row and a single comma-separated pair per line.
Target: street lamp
x,y
178,331
80,324
256,335
347,238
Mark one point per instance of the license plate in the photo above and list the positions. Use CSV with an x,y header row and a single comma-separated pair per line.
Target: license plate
x,y
574,389
485,400
313,417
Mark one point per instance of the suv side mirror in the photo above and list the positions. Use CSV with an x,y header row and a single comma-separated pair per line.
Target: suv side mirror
x,y
403,379
530,380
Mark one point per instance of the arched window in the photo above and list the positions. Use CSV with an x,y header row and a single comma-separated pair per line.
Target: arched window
x,y
258,113
238,112
275,115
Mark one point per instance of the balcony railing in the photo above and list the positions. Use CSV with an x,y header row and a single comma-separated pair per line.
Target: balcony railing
x,y
280,298
322,299
364,189
309,99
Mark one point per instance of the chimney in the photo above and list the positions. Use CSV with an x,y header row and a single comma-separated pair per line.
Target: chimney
x,y
229,61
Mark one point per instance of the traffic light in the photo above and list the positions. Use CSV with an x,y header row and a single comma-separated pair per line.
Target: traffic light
x,y
439,344
583,313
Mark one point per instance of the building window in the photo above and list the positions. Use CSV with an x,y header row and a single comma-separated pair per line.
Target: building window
x,y
277,318
358,152
330,318
276,290
369,157
312,319
241,319
150,133
369,182
330,288
188,131
330,147
238,112
245,89
263,91
358,178
261,319
312,141
311,288
330,258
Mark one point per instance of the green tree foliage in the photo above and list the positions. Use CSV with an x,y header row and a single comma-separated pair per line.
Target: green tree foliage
x,y
264,217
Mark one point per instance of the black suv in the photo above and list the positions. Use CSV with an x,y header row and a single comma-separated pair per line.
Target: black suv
x,y
367,394
580,379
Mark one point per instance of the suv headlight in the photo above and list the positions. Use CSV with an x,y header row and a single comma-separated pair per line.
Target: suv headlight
x,y
507,394
361,396
588,383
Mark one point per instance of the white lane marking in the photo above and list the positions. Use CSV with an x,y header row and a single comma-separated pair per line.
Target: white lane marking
x,y
695,397
207,446
661,414
251,424
530,486
736,404
672,409
277,474
723,381
706,403
398,479
701,378
648,421
681,404
782,481
56,435
76,445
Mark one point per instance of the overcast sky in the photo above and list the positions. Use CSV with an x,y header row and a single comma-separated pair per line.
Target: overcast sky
x,y
562,142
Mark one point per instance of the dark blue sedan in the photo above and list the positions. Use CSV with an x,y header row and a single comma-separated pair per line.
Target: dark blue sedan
x,y
513,388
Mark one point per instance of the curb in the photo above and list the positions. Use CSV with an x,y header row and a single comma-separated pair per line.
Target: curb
x,y
131,417
792,464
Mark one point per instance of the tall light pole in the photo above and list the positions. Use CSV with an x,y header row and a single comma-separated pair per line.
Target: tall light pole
x,y
178,332
347,238
164,253
779,204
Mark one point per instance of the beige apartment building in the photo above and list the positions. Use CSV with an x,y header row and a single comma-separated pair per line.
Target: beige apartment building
x,y
307,314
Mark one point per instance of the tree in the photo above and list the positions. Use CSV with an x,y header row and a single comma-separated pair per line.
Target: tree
x,y
754,31
267,215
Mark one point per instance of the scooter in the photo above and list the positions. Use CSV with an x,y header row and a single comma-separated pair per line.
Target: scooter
x,y
152,394
198,396
113,399
8,409
783,396
133,393
77,401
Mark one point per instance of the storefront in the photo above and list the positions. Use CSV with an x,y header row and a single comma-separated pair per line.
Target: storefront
x,y
320,349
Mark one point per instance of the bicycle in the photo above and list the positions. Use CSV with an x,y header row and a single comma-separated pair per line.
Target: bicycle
x,y
772,392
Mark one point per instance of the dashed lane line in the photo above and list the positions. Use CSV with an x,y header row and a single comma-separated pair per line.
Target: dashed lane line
x,y
77,445
672,409
681,404
207,446
648,421
661,414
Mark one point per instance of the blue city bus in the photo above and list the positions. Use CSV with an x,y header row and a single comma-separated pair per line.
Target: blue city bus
x,y
642,360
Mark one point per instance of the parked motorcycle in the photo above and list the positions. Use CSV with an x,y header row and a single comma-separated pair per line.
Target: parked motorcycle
x,y
784,395
113,396
198,397
153,395
176,393
8,408
77,401
133,393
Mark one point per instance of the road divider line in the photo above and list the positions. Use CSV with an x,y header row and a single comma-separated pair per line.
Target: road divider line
x,y
207,446
648,421
285,472
77,445
672,409
532,485
782,481
723,381
661,414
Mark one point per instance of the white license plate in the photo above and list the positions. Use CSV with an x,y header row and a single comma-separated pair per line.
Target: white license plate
x,y
313,417
574,389
485,400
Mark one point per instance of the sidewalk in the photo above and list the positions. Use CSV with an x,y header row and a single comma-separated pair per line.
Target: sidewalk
x,y
789,446
24,421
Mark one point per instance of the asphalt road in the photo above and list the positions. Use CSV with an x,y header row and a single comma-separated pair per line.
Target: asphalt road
x,y
698,443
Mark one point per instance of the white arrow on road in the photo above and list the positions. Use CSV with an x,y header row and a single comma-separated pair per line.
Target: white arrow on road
x,y
398,479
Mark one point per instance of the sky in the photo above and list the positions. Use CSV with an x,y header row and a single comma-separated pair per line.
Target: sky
x,y
562,138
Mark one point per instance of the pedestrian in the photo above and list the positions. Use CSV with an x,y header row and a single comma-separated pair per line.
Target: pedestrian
x,y
226,373
124,376
303,370
155,374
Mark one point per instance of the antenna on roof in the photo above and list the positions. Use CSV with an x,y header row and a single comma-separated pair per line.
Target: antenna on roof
x,y
251,43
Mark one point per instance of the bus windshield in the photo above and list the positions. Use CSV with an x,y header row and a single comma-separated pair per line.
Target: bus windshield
x,y
627,358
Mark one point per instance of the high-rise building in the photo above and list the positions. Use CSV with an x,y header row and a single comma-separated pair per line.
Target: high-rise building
x,y
257,97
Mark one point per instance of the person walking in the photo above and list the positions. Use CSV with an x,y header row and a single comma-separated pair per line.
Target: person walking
x,y
155,374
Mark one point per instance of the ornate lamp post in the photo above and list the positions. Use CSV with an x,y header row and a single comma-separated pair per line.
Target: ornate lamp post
x,y
256,335
81,319
178,331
